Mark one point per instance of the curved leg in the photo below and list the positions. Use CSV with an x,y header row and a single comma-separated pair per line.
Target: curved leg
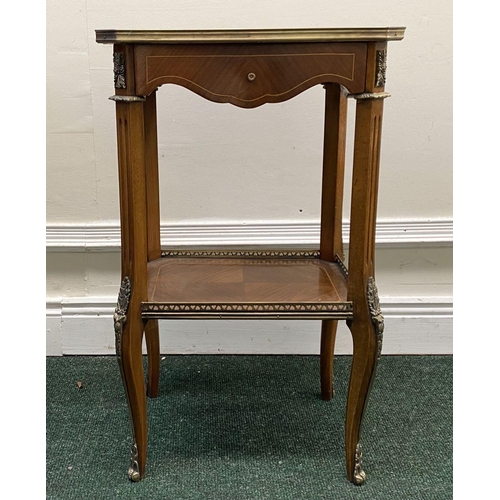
x,y
133,380
153,349
128,332
362,371
367,331
328,333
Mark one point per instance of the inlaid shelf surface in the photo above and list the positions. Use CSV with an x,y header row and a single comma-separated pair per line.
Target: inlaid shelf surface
x,y
239,288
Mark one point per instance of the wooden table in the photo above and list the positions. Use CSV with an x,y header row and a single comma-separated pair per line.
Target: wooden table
x,y
248,69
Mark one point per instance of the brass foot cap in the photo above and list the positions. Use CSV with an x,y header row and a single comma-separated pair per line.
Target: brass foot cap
x,y
134,475
359,478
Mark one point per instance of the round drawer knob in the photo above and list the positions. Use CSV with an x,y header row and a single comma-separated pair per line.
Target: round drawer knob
x,y
251,77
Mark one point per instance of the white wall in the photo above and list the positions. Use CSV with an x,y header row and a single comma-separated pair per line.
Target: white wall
x,y
228,176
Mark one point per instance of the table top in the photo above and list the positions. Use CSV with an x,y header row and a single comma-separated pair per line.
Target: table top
x,y
251,36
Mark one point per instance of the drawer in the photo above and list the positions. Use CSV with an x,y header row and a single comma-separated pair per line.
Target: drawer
x,y
251,74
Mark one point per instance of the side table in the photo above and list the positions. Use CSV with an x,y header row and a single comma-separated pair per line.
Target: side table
x,y
249,68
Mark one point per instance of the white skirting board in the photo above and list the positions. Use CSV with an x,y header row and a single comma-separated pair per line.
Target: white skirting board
x,y
278,234
414,266
412,326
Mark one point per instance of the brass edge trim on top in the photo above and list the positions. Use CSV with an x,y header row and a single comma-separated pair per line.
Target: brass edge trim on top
x,y
251,36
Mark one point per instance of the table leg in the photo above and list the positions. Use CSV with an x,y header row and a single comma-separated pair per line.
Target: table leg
x,y
129,326
367,323
328,334
153,232
331,246
153,349
128,335
332,193
364,362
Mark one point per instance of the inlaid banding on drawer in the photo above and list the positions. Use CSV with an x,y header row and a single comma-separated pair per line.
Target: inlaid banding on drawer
x,y
250,76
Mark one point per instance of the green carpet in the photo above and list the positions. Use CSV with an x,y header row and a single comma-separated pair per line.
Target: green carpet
x,y
249,427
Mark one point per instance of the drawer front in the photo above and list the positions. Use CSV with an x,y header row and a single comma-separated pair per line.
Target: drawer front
x,y
252,74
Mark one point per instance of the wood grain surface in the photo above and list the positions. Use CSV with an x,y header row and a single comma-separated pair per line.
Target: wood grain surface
x,y
248,75
244,280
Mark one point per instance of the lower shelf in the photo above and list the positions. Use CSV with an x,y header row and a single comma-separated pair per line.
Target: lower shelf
x,y
246,288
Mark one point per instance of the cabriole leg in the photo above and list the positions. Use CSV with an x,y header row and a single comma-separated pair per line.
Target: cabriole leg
x,y
153,349
367,332
128,336
328,334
